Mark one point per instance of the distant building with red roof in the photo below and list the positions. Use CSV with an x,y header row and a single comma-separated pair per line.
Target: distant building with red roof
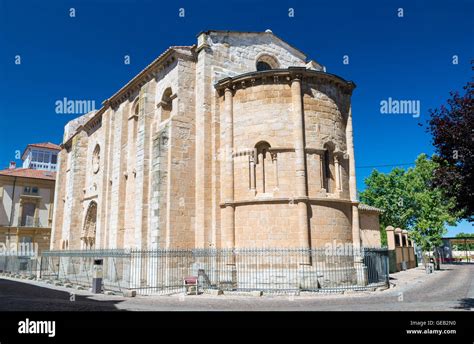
x,y
27,198
41,156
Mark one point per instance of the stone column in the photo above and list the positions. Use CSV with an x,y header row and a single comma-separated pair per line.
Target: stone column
x,y
228,235
252,173
275,168
390,237
358,260
398,232
352,182
337,171
260,173
320,158
405,235
300,166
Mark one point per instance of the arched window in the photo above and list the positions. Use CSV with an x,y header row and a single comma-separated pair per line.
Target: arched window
x,y
166,104
266,62
96,159
263,166
263,66
133,120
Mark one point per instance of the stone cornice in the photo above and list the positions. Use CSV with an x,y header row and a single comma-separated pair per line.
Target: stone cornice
x,y
309,150
281,149
319,151
93,123
280,76
286,200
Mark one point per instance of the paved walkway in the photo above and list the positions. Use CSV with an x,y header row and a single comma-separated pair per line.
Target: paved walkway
x,y
451,289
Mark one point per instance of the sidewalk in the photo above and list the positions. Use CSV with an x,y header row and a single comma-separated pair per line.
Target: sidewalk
x,y
408,279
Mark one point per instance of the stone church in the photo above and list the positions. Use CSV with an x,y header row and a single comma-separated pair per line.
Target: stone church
x,y
237,141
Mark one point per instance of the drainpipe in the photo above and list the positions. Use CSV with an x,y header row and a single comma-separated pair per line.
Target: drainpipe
x,y
12,210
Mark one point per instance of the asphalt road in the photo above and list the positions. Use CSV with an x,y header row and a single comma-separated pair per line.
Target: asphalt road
x,y
451,289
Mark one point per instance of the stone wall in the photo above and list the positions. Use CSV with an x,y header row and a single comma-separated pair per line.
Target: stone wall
x,y
264,181
370,229
330,221
185,163
266,225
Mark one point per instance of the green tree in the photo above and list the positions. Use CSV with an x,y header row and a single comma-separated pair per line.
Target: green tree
x,y
388,192
432,209
452,130
411,202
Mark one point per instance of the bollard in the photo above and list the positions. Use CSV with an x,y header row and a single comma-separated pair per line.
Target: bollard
x,y
97,275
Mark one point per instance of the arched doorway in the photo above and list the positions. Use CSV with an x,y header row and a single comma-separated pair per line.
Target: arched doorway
x,y
88,231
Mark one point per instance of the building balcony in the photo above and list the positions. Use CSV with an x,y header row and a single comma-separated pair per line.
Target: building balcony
x,y
42,166
30,222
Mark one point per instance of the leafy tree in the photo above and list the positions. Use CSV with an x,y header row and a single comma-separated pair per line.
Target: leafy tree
x,y
410,201
388,192
432,210
452,129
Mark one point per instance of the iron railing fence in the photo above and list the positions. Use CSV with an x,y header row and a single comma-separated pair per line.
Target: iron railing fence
x,y
275,270
22,265
76,267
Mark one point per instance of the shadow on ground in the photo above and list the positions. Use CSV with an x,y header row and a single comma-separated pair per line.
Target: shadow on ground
x,y
466,304
18,296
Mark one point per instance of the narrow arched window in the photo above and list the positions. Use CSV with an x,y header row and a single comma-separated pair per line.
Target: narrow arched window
x,y
134,118
96,159
166,104
262,166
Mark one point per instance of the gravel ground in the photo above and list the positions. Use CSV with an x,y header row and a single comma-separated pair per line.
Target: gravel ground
x,y
451,289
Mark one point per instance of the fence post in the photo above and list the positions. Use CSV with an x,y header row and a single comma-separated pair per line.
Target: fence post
x,y
39,273
361,269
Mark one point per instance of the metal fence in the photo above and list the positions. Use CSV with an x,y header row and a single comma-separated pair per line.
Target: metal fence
x,y
279,270
21,265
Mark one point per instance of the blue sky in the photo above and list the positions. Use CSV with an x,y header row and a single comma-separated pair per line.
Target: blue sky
x,y
82,58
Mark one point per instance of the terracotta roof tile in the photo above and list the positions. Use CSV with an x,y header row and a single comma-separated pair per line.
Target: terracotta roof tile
x,y
367,207
48,145
28,173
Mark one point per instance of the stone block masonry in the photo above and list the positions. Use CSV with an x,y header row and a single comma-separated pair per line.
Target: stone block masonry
x,y
237,141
